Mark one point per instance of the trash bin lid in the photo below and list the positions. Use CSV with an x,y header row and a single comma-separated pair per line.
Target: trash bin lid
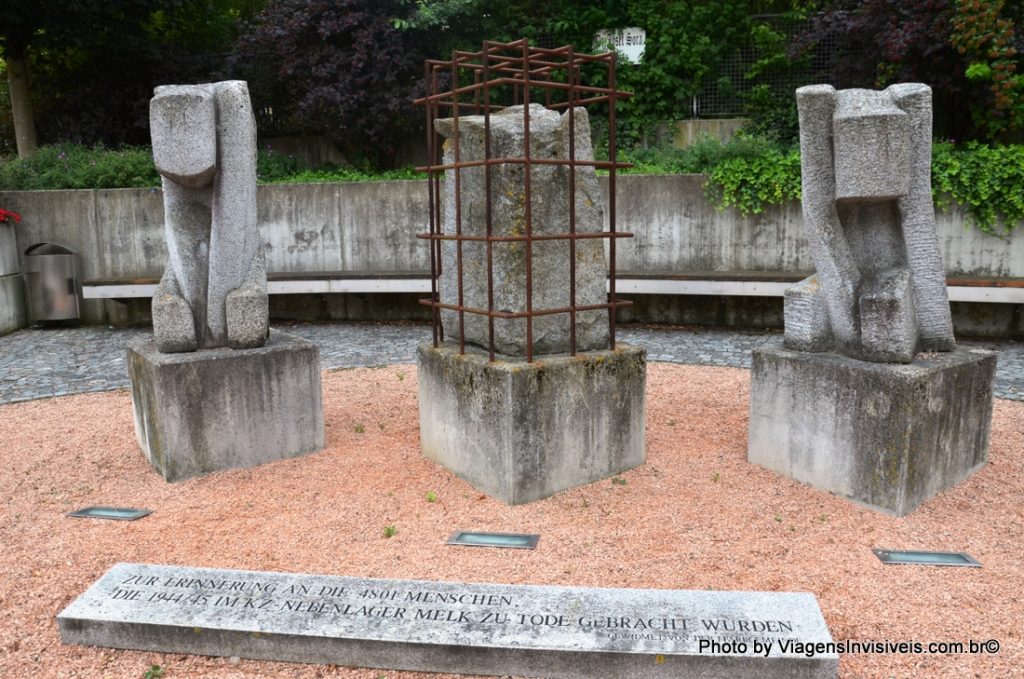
x,y
48,249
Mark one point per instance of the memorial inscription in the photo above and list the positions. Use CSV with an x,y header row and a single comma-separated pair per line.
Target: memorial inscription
x,y
448,627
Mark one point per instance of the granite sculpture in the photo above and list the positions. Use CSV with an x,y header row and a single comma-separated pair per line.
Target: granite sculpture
x,y
549,214
869,398
879,291
214,290
216,389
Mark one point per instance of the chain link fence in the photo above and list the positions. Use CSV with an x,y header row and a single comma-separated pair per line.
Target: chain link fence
x,y
762,71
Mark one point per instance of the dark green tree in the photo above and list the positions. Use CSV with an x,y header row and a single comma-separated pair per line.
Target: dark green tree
x,y
92,65
969,51
685,41
336,67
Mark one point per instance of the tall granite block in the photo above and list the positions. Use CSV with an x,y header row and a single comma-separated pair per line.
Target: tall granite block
x,y
523,431
548,214
200,412
890,437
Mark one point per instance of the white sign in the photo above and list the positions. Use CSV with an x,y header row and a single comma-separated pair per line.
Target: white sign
x,y
627,41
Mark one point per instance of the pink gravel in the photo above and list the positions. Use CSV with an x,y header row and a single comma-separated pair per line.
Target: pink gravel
x,y
695,516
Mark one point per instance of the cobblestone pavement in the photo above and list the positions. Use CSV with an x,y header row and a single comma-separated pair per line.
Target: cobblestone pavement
x,y
43,362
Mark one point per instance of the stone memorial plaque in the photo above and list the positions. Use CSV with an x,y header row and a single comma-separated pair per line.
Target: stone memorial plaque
x,y
468,628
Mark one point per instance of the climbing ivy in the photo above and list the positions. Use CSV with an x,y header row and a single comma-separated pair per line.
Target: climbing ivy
x,y
752,184
988,181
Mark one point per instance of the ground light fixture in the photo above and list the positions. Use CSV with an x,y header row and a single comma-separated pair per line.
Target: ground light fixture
x,y
114,513
467,538
896,557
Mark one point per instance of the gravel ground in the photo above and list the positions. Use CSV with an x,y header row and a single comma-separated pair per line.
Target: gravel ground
x,y
44,362
695,516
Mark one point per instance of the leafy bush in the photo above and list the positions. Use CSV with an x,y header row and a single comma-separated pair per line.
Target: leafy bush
x,y
335,66
991,44
686,41
748,173
988,181
752,184
272,166
72,166
349,174
698,158
751,174
968,51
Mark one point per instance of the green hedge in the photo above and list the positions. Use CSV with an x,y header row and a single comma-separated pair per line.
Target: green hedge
x,y
72,166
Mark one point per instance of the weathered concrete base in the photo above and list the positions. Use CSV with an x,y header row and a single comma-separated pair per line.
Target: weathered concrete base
x,y
887,436
13,314
203,411
523,431
470,628
13,305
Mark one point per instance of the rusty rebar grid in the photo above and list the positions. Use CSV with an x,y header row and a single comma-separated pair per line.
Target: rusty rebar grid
x,y
515,71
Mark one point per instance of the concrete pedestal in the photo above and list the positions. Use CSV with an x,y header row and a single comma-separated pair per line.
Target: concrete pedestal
x,y
888,436
13,314
203,411
523,431
13,308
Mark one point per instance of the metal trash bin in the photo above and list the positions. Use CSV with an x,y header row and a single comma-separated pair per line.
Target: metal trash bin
x,y
51,276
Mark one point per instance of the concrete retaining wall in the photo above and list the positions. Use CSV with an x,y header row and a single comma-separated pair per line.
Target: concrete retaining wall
x,y
371,227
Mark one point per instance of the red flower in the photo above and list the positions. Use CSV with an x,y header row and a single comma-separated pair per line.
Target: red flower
x,y
8,216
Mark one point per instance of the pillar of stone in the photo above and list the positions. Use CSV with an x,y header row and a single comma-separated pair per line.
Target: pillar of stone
x,y
215,389
850,404
517,430
549,214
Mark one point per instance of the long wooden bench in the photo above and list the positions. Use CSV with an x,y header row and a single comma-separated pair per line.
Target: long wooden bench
x,y
280,284
716,283
774,284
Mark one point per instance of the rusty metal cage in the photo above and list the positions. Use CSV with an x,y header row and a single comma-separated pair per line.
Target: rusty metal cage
x,y
484,82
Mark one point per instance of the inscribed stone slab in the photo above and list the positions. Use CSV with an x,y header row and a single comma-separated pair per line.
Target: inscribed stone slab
x,y
448,627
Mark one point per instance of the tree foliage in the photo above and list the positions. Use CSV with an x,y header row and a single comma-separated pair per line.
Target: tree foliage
x,y
991,40
339,67
685,40
966,50
94,65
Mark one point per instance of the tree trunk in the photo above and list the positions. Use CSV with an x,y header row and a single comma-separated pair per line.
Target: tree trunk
x,y
21,106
